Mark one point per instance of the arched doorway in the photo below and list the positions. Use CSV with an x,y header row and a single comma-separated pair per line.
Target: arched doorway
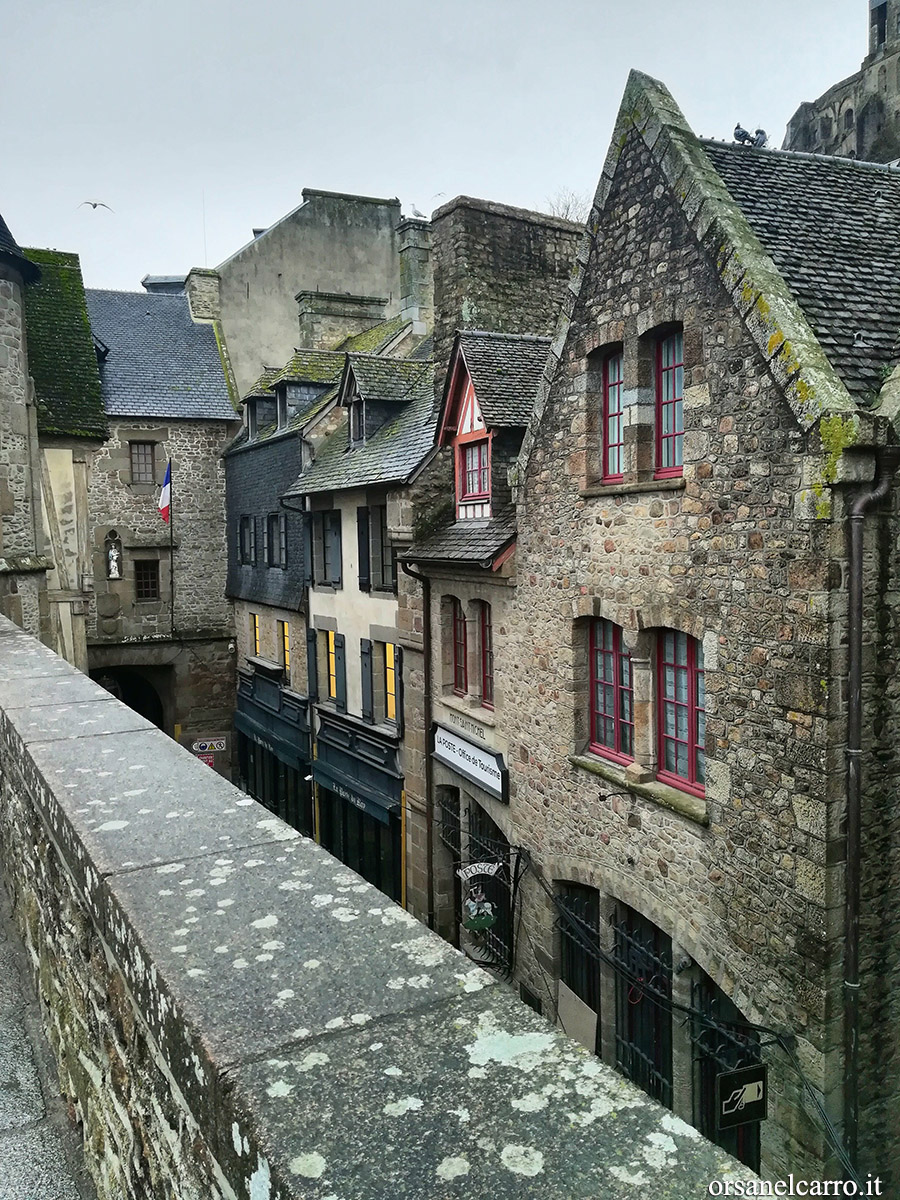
x,y
133,689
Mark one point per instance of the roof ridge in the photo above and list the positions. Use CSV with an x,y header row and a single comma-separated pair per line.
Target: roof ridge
x,y
492,333
838,160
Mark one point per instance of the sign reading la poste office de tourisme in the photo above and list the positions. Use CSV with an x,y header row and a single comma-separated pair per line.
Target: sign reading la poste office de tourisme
x,y
474,763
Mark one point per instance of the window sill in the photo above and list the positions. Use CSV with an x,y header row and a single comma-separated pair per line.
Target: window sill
x,y
692,807
629,489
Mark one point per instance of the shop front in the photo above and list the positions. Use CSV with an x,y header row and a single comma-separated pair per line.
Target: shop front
x,y
273,746
359,800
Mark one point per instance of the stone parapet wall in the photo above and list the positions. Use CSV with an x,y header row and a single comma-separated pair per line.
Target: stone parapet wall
x,y
235,1014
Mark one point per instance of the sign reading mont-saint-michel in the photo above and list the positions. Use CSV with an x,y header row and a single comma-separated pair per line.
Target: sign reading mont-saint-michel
x,y
474,763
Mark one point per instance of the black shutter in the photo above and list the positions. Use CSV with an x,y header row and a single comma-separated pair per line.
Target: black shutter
x,y
334,532
365,663
266,548
398,684
362,537
307,550
312,665
393,568
340,672
282,538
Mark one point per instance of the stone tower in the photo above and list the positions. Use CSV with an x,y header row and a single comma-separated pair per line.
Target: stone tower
x,y
23,587
860,116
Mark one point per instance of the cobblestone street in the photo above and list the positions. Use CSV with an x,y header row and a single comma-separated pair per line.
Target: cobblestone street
x,y
40,1150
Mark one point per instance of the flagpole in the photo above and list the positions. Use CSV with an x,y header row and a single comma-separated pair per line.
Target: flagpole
x,y
171,548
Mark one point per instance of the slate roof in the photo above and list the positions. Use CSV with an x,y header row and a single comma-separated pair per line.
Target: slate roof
x,y
263,385
388,379
471,541
61,355
830,226
374,340
506,370
390,455
160,362
298,421
311,366
11,252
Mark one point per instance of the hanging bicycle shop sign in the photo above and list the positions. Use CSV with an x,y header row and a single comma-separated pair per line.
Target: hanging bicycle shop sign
x,y
479,913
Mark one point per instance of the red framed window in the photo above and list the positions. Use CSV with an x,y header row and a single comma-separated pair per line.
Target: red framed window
x,y
487,657
669,406
613,421
682,719
475,470
612,694
460,649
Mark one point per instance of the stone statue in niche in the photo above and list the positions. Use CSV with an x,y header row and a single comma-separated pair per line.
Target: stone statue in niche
x,y
113,546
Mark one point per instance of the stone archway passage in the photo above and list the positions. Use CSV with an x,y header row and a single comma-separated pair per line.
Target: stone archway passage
x,y
134,689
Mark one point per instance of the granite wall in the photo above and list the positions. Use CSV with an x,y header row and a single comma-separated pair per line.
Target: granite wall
x,y
237,1016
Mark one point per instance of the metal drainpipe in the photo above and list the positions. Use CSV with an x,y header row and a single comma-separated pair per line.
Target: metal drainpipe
x,y
887,463
427,712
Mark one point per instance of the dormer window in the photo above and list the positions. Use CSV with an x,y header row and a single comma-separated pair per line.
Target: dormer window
x,y
251,419
357,422
475,481
281,406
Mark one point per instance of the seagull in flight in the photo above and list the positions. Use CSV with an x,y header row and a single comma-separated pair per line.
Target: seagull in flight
x,y
95,204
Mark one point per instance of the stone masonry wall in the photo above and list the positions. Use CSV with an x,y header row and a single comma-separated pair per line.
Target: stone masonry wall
x,y
16,467
237,1016
198,486
497,268
747,881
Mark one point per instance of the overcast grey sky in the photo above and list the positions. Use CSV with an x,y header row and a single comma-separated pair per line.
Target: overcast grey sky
x,y
164,107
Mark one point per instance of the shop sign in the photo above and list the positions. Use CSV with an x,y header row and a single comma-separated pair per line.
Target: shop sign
x,y
473,869
475,763
742,1096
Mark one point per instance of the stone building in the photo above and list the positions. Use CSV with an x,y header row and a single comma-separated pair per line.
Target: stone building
x,y
684,854
23,565
335,266
320,489
499,277
860,116
71,426
286,413
161,631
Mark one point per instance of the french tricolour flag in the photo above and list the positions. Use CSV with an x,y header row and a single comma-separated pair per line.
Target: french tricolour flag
x,y
165,496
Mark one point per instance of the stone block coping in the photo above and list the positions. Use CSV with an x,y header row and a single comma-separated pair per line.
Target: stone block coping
x,y
327,1045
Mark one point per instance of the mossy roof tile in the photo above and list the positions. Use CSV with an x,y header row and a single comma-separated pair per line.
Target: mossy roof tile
x,y
61,355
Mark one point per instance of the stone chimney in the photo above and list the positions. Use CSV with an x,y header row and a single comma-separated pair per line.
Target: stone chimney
x,y
202,287
327,318
416,277
497,268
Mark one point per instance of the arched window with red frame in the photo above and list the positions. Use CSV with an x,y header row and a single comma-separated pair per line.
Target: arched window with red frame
x,y
612,694
460,650
682,716
613,433
670,406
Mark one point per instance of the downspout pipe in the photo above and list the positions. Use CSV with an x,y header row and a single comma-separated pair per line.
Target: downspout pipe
x,y
428,709
887,463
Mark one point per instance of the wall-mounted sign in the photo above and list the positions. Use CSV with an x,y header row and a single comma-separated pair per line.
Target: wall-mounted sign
x,y
742,1096
208,745
475,763
214,750
474,869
